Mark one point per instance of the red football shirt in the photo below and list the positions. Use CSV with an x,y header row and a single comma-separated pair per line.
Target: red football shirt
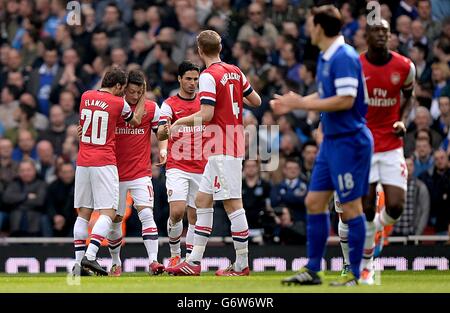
x,y
133,146
224,86
100,111
185,150
384,84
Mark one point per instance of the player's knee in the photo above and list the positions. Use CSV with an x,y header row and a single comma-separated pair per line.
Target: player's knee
x,y
369,211
395,210
312,205
118,219
176,215
369,208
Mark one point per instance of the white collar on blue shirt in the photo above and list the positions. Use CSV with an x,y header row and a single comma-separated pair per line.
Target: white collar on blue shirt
x,y
44,69
332,49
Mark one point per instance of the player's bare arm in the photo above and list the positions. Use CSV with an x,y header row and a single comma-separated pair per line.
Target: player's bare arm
x,y
405,109
163,131
253,99
162,146
205,115
291,101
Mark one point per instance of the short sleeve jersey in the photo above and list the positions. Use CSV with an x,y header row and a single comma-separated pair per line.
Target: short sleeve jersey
x,y
100,112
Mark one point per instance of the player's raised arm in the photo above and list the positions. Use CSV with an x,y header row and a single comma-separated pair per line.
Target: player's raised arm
x,y
139,112
164,122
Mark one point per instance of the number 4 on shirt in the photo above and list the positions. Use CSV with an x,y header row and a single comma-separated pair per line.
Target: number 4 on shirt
x,y
234,105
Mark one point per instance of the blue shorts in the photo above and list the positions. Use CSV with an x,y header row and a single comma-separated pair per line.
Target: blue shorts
x,y
343,165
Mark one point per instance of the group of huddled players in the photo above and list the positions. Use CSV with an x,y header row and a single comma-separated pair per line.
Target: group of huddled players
x,y
362,119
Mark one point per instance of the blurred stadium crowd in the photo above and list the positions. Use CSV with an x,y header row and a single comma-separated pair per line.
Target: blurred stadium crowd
x,y
46,64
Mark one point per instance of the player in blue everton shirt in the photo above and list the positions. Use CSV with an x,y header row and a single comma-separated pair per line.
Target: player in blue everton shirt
x,y
343,162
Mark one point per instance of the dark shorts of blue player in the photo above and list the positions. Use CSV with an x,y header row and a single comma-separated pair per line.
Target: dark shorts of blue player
x,y
343,165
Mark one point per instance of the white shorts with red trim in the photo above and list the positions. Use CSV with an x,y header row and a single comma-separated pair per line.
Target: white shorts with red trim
x,y
182,186
141,190
96,187
222,177
389,168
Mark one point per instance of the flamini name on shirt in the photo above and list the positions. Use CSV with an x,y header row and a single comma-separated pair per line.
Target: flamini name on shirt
x,y
228,76
97,103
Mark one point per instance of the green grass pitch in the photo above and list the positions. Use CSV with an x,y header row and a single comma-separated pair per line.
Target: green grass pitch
x,y
430,281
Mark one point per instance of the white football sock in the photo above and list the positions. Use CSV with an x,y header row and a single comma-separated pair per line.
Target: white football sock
x,y
115,242
343,237
174,231
239,232
369,245
202,232
101,229
80,234
189,239
149,233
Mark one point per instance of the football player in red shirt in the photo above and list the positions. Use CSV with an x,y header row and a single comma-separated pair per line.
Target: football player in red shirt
x,y
185,160
96,178
387,75
223,89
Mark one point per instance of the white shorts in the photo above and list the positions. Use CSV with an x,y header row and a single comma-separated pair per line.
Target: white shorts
x,y
141,190
182,186
222,177
389,168
96,187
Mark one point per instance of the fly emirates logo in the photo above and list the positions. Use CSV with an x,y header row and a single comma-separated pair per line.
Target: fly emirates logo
x,y
379,99
129,130
193,129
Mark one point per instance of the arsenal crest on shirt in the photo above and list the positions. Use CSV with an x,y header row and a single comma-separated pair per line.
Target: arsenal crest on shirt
x,y
395,78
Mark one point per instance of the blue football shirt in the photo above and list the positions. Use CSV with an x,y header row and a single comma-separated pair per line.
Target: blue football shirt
x,y
339,72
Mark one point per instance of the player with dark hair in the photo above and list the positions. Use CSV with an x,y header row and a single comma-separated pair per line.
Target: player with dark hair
x,y
387,75
96,178
184,167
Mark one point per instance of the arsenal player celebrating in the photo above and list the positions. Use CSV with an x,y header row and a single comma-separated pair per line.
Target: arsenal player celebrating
x,y
96,178
387,75
223,89
135,172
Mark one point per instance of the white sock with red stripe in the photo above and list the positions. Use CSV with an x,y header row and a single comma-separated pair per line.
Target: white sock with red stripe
x,y
174,231
190,239
101,229
383,219
239,232
80,234
149,233
343,238
115,242
203,229
369,245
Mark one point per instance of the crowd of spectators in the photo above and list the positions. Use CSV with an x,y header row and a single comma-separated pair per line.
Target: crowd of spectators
x,y
46,63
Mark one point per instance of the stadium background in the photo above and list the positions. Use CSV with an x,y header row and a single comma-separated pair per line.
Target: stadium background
x,y
46,64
